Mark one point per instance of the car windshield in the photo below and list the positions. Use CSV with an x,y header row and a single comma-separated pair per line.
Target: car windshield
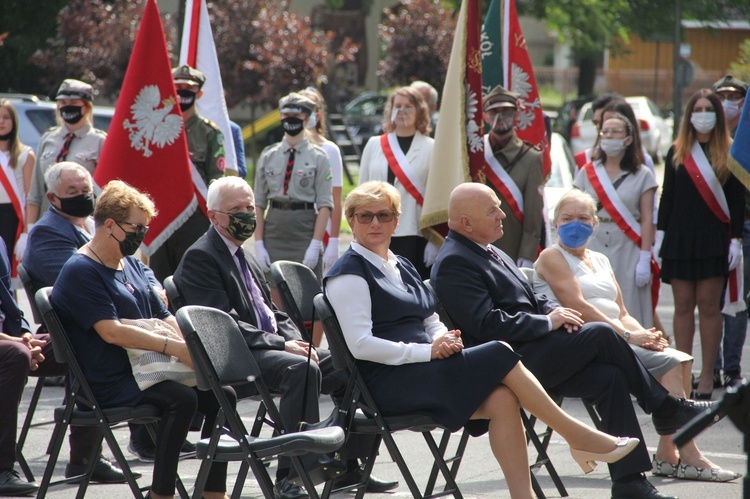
x,y
42,119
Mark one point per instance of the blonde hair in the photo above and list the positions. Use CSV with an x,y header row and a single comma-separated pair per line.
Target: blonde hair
x,y
719,141
415,97
314,95
577,195
14,141
372,192
116,201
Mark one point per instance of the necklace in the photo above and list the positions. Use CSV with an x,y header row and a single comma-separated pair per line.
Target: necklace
x,y
125,281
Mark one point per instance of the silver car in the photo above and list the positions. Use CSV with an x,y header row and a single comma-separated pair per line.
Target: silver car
x,y
656,130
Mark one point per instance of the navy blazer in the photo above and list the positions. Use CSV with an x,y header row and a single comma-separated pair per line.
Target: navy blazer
x,y
208,276
14,323
486,299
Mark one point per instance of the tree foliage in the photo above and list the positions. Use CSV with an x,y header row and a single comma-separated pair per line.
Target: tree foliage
x,y
417,37
740,67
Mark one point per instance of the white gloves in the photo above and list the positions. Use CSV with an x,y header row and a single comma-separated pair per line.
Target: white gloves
x,y
656,248
20,247
312,253
643,269
523,262
735,253
262,255
430,254
331,253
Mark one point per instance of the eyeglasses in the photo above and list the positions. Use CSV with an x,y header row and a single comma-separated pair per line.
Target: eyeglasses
x,y
140,230
612,131
383,217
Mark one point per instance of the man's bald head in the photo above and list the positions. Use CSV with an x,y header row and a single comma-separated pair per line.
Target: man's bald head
x,y
474,212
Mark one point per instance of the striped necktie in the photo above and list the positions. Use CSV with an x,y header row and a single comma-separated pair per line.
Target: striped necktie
x,y
66,145
289,168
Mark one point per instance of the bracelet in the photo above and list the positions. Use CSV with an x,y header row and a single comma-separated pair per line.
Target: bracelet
x,y
166,340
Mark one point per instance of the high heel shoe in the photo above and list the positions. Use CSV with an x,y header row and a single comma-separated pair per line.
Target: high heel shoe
x,y
588,460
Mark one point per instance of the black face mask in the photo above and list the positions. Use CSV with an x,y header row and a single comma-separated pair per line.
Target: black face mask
x,y
292,126
79,206
71,114
7,136
241,224
131,243
187,99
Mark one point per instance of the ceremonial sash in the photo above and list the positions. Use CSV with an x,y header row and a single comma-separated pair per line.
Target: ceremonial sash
x,y
709,187
621,216
17,199
501,180
583,157
200,188
401,167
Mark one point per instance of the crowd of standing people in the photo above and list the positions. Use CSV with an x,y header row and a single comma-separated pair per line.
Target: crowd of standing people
x,y
590,296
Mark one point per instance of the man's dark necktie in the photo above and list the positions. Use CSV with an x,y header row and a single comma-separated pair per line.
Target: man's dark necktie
x,y
289,168
66,146
261,309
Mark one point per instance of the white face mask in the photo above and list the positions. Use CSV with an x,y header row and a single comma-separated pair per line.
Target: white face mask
x,y
703,122
612,147
731,108
313,121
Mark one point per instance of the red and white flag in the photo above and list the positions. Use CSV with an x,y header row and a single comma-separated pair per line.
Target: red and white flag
x,y
518,76
199,51
458,155
146,145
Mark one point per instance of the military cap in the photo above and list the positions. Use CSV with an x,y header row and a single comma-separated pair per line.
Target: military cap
x,y
296,103
500,97
730,84
186,74
75,89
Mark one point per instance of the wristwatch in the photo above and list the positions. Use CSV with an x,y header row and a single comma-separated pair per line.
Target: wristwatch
x,y
626,335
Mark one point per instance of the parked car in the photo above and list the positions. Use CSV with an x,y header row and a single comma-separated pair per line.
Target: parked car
x,y
567,116
37,114
560,179
655,127
363,116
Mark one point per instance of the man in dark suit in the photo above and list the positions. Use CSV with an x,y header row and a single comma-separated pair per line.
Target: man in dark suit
x,y
488,298
217,272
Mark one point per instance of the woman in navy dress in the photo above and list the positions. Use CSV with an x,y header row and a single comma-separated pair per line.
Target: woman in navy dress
x,y
413,364
100,285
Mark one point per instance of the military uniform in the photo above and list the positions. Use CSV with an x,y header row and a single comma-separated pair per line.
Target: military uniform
x,y
206,146
291,217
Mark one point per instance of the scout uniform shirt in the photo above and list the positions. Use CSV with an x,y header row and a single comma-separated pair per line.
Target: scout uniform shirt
x,y
206,146
84,149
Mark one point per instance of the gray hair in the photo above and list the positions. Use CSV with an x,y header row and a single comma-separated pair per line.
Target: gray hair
x,y
53,176
213,198
419,85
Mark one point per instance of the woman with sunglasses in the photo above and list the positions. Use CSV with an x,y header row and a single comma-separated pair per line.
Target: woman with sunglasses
x,y
624,190
100,286
413,364
401,157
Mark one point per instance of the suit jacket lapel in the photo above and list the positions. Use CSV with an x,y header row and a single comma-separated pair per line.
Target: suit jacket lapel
x,y
227,261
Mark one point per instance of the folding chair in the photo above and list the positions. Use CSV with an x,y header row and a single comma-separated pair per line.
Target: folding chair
x,y
173,294
221,357
540,441
297,285
365,417
30,287
82,409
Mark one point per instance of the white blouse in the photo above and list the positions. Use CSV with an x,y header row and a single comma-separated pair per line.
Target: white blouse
x,y
350,298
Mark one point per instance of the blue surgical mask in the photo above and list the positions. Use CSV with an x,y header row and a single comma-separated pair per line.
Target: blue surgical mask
x,y
574,234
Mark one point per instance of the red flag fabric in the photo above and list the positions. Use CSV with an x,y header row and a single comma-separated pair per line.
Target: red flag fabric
x,y
518,74
146,145
458,155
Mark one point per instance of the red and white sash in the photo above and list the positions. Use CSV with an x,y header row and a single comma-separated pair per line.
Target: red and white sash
x,y
621,216
502,181
401,167
583,157
709,187
17,199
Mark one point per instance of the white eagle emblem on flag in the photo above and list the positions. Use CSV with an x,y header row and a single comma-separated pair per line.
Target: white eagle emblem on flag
x,y
153,123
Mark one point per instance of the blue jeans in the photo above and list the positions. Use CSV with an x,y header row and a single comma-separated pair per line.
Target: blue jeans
x,y
735,328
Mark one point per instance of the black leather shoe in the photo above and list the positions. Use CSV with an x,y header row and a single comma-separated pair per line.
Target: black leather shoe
x,y
105,471
12,485
687,410
287,490
637,489
354,476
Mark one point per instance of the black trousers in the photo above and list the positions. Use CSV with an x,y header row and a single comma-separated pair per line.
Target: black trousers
x,y
597,365
178,404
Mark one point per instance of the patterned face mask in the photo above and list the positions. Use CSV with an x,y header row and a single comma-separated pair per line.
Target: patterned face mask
x,y
241,224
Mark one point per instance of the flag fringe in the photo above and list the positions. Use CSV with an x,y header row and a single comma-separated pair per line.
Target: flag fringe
x,y
170,229
739,172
